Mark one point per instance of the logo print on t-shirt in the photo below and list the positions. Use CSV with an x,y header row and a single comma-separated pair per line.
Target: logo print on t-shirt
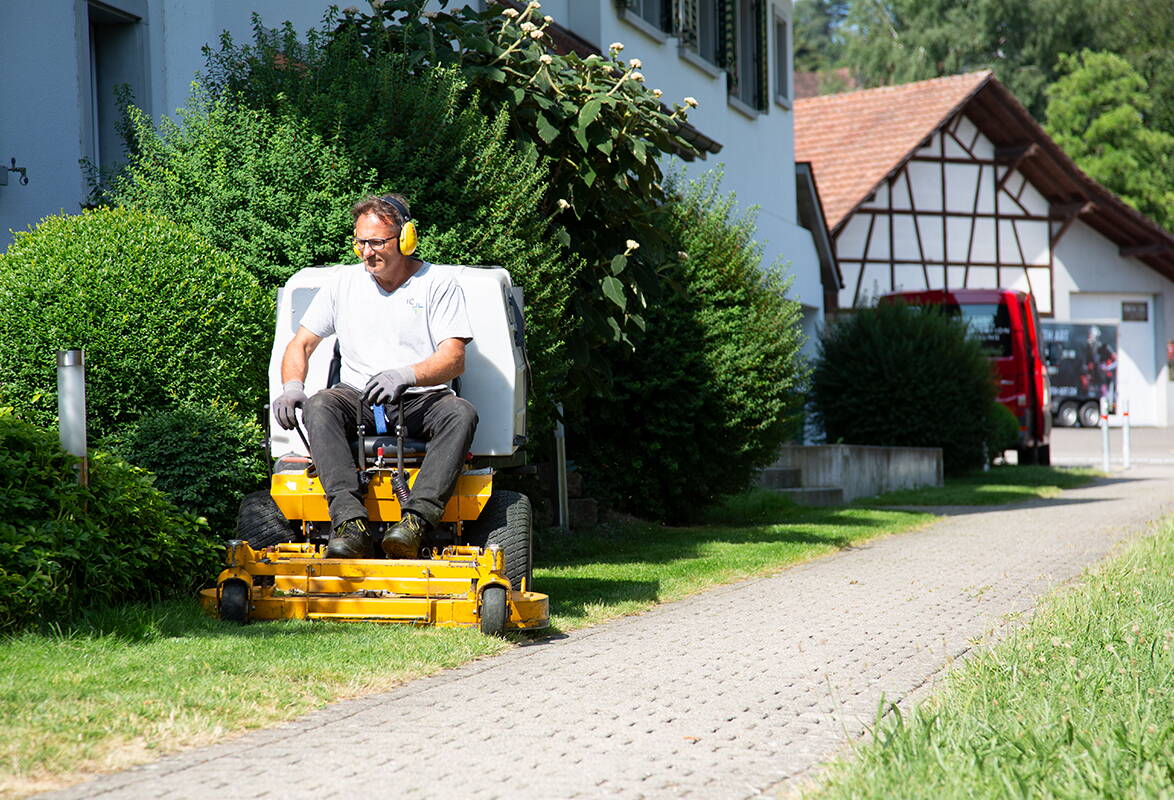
x,y
414,304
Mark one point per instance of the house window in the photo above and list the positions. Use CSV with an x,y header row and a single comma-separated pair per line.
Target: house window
x,y
748,65
654,12
116,68
782,69
707,30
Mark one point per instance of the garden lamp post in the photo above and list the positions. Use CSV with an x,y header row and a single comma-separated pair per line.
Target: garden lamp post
x,y
71,407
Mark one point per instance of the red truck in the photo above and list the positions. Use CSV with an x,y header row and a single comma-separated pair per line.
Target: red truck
x,y
1007,324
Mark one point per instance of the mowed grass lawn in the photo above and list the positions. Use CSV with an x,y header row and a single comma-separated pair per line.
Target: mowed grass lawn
x,y
1078,703
125,686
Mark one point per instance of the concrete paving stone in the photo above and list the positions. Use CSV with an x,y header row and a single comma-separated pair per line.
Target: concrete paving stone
x,y
729,694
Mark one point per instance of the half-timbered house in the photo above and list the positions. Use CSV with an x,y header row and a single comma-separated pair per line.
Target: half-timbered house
x,y
950,183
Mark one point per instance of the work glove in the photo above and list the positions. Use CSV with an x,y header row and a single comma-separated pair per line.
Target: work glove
x,y
386,387
292,397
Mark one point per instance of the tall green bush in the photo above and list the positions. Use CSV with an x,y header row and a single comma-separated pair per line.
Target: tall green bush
x,y
65,548
706,397
265,189
206,458
905,375
162,315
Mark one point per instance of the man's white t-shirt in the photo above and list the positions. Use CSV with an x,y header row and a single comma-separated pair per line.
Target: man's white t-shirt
x,y
379,330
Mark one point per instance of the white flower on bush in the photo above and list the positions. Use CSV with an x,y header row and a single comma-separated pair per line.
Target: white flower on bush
x,y
691,102
528,26
548,19
545,58
616,47
535,34
635,63
562,204
638,77
632,244
510,12
657,93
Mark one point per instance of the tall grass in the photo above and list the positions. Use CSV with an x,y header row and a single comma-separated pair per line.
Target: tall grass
x,y
1077,704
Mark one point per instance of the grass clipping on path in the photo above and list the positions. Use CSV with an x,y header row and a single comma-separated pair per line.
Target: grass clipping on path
x,y
1078,703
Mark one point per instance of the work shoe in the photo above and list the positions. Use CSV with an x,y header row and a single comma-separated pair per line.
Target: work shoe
x,y
403,540
351,539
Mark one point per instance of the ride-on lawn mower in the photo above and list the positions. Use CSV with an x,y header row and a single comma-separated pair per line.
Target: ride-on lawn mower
x,y
474,569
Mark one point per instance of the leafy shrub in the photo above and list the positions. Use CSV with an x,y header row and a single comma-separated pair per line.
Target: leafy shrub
x,y
706,397
206,458
162,315
1004,428
263,188
904,375
64,547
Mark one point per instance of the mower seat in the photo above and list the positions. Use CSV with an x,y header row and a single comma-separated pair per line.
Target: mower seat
x,y
413,448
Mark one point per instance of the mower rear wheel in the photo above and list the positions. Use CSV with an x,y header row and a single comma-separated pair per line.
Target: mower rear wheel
x,y
494,610
506,522
261,523
234,601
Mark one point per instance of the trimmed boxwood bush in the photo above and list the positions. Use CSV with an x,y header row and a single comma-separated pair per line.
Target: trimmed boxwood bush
x,y
903,375
205,458
162,315
266,189
65,548
707,396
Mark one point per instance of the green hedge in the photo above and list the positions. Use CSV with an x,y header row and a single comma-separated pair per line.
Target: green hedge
x,y
205,458
162,315
707,396
905,375
265,189
65,548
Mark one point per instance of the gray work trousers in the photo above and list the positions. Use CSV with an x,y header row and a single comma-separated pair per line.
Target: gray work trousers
x,y
446,421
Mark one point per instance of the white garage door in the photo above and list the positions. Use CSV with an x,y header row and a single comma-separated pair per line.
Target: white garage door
x,y
1137,374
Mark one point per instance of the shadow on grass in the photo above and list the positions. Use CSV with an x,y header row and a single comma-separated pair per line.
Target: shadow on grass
x,y
570,597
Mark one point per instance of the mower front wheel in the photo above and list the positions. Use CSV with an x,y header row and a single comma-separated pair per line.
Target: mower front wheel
x,y
261,523
234,601
494,610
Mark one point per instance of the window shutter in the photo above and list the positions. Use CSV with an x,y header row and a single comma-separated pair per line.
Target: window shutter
x,y
685,18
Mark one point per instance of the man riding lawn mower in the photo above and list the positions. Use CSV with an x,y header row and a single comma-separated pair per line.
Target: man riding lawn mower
x,y
347,531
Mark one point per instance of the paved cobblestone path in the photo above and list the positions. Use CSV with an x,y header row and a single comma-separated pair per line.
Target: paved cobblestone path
x,y
729,694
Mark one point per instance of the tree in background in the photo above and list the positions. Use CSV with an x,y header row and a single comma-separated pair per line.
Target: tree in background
x,y
819,41
1141,31
1099,112
890,42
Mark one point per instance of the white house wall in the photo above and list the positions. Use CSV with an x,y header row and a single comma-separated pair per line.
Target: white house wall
x,y
1092,280
926,249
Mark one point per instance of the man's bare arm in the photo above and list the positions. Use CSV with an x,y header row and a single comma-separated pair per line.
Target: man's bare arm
x,y
296,359
446,363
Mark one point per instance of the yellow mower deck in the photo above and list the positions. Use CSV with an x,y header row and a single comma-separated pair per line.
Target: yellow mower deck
x,y
458,586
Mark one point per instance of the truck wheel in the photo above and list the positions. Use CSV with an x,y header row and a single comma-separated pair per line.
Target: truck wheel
x,y
234,601
1090,414
261,523
494,610
506,522
1068,415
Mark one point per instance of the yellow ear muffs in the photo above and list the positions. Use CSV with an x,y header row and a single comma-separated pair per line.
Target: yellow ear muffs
x,y
407,238
407,232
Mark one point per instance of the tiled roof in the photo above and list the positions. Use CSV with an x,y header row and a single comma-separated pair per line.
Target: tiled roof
x,y
854,140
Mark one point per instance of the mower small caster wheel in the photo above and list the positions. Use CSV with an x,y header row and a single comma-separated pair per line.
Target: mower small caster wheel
x,y
494,611
234,601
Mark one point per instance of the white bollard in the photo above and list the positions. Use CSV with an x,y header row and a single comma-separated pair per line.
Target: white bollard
x,y
1104,435
71,407
1125,448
